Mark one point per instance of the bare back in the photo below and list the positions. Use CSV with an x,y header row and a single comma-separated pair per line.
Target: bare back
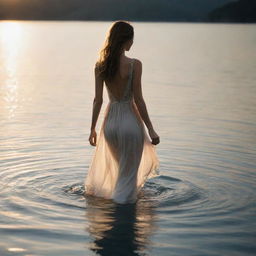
x,y
118,84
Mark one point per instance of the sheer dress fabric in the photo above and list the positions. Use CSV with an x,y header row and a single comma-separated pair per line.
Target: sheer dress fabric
x,y
124,157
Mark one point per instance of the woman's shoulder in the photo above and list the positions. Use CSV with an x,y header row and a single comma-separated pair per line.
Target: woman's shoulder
x,y
137,63
97,65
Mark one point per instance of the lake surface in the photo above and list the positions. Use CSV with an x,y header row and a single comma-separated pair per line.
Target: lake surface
x,y
199,84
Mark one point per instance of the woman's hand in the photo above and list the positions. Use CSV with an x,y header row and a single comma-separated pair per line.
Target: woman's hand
x,y
93,138
153,135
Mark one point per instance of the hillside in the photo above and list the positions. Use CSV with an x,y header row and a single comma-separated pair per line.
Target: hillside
x,y
239,11
137,10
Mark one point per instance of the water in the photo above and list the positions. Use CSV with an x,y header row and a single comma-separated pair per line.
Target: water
x,y
199,85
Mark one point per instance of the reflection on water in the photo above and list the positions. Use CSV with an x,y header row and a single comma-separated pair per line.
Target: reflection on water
x,y
119,228
11,42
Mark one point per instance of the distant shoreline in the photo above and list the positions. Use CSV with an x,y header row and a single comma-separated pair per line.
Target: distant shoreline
x,y
142,21
214,11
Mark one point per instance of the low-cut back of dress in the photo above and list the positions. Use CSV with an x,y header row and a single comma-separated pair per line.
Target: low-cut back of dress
x,y
124,157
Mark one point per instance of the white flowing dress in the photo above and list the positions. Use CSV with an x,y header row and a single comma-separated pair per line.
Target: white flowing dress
x,y
124,156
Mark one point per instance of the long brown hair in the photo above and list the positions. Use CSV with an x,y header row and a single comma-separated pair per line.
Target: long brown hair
x,y
120,32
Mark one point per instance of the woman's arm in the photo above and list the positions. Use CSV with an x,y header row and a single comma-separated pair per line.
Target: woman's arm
x,y
97,102
140,103
137,93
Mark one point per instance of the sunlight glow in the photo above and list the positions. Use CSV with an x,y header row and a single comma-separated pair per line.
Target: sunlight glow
x,y
10,42
16,249
10,35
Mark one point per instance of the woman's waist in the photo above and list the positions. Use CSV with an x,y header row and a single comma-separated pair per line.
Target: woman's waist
x,y
120,101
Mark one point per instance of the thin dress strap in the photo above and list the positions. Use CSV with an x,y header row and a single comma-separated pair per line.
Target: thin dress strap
x,y
132,65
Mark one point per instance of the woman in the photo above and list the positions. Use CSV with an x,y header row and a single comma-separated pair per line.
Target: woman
x,y
124,157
